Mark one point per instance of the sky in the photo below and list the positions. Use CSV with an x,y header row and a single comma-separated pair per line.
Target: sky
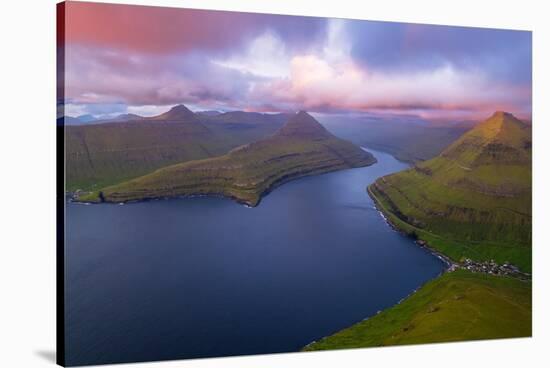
x,y
143,60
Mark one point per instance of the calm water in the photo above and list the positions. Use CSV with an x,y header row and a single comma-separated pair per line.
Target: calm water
x,y
204,277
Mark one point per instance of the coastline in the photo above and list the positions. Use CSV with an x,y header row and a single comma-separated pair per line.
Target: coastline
x,y
393,220
452,266
250,200
440,311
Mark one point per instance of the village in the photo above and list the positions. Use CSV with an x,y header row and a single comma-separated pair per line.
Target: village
x,y
489,267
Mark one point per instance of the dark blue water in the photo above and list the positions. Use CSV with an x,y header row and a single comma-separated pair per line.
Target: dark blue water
x,y
204,277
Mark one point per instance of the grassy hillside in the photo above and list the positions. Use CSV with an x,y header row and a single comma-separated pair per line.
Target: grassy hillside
x,y
301,147
474,199
103,154
408,141
457,306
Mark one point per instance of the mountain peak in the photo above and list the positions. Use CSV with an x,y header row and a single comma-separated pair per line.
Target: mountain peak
x,y
501,114
495,139
176,113
500,118
180,109
500,125
302,124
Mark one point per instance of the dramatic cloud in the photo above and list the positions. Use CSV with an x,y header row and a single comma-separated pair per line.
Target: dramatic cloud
x,y
503,54
317,85
150,29
144,59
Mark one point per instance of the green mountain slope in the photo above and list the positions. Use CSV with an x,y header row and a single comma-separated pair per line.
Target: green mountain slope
x,y
103,154
474,199
457,306
301,147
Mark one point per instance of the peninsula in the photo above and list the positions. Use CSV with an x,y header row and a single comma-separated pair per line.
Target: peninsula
x,y
301,147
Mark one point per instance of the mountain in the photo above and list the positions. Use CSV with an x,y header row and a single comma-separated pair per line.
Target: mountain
x,y
68,120
303,126
301,147
120,118
107,152
86,118
177,113
474,199
244,117
407,140
209,112
91,120
79,120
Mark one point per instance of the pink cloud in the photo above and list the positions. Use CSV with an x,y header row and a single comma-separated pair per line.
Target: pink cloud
x,y
97,75
151,29
164,30
150,56
317,85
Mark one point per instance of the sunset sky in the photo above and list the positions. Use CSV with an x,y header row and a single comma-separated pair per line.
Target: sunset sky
x,y
143,60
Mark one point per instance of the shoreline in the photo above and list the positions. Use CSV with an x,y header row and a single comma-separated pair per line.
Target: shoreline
x,y
251,203
450,267
468,264
450,263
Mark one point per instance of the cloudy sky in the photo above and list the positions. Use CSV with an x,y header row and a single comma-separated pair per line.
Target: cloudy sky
x,y
143,60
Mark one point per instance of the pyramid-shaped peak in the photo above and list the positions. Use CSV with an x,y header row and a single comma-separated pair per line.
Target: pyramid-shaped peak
x,y
501,120
302,117
502,114
302,124
180,108
178,112
502,129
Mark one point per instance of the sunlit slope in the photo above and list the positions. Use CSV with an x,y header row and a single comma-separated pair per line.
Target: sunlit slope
x,y
474,199
457,306
103,154
301,147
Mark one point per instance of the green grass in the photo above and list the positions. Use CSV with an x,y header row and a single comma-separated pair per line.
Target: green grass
x,y
473,200
302,147
457,249
457,306
105,154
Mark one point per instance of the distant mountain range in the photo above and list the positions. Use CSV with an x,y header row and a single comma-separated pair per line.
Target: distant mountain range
x,y
89,119
474,199
209,113
176,113
301,147
408,141
107,152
